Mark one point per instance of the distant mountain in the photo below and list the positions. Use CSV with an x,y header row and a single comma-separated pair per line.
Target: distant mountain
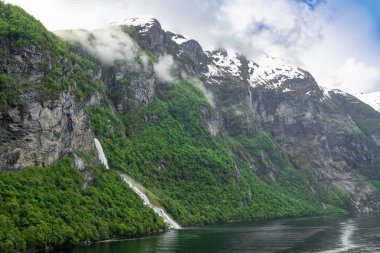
x,y
372,99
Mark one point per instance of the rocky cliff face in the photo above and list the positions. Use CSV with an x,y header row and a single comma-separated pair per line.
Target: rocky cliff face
x,y
318,130
39,133
38,125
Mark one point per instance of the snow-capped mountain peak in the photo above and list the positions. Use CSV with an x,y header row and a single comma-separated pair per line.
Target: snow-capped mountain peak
x,y
269,72
138,21
179,39
225,60
273,72
145,23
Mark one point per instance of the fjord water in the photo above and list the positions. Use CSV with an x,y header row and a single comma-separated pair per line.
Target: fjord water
x,y
329,234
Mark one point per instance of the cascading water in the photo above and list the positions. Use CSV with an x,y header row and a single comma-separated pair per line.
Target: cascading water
x,y
101,155
172,224
250,100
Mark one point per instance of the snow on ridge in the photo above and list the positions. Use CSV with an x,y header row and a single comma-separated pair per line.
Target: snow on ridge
x,y
272,72
287,90
340,92
226,60
146,23
213,71
372,99
179,39
327,92
138,21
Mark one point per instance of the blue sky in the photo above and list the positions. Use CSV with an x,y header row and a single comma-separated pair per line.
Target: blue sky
x,y
370,7
338,41
373,9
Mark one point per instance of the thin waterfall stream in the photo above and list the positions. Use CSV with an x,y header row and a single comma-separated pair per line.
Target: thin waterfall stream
x,y
138,189
101,155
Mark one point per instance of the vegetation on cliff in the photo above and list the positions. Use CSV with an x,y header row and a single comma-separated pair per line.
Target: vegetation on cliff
x,y
49,206
167,147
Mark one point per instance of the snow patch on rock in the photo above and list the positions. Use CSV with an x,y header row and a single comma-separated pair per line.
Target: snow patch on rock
x,y
270,72
179,39
273,72
224,60
147,23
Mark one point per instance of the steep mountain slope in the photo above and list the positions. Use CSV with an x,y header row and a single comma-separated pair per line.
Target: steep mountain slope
x,y
40,120
333,150
212,135
43,122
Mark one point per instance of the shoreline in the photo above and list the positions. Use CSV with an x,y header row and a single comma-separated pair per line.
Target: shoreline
x,y
89,243
117,239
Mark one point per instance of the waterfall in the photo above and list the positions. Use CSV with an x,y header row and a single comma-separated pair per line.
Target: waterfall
x,y
250,100
134,186
101,155
172,224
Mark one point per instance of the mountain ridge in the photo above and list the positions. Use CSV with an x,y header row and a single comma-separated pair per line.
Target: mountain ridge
x,y
215,67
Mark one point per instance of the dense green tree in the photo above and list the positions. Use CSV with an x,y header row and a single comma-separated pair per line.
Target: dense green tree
x,y
48,206
167,146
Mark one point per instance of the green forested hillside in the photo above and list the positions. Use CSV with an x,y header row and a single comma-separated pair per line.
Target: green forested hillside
x,y
53,205
49,206
18,29
166,146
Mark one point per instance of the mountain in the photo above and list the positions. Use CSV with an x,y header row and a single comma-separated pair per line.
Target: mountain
x,y
211,135
322,140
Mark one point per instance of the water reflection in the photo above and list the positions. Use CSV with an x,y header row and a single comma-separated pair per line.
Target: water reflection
x,y
168,241
320,235
346,244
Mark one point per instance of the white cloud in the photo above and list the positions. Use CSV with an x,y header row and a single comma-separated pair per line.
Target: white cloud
x,y
346,57
164,67
208,94
107,44
145,61
278,27
354,77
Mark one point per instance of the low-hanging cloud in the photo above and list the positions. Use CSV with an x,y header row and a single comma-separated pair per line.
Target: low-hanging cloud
x,y
355,76
109,44
207,93
163,68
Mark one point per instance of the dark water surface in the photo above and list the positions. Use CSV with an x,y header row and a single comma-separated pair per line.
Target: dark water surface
x,y
330,234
